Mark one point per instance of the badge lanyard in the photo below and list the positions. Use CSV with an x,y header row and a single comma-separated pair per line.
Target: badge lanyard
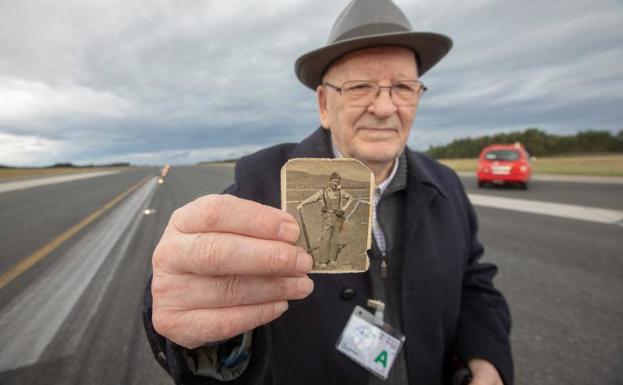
x,y
369,341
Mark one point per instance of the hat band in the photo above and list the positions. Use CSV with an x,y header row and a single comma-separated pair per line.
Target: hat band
x,y
371,29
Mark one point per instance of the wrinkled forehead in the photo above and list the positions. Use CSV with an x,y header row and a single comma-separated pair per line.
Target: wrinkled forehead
x,y
396,62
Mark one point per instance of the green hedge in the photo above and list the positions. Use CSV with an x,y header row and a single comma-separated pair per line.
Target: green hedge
x,y
537,143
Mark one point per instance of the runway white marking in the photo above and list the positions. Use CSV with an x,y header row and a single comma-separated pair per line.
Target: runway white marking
x,y
24,184
561,210
33,318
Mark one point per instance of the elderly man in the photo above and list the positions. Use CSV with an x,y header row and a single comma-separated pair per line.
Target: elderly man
x,y
226,267
335,202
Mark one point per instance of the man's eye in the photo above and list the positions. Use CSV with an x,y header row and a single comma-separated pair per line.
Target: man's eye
x,y
360,87
403,87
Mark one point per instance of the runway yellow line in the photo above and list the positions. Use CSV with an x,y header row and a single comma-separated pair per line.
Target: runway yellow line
x,y
38,255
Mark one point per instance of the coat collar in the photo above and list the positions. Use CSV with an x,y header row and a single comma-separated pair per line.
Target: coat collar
x,y
419,172
318,145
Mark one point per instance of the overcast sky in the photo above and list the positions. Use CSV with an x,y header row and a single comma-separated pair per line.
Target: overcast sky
x,y
151,82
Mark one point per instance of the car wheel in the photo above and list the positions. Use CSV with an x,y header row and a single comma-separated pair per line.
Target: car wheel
x,y
481,184
523,185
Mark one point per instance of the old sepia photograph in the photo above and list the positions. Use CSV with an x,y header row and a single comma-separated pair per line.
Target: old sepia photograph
x,y
330,199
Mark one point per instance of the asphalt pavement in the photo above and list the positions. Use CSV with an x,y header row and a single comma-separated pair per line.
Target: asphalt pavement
x,y
604,195
74,317
32,217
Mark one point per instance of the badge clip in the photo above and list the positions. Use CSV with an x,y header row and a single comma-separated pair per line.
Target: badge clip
x,y
379,311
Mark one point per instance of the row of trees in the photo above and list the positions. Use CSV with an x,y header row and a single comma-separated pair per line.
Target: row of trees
x,y
537,143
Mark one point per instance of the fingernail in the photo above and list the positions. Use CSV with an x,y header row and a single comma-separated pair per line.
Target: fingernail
x,y
281,307
288,232
305,286
304,262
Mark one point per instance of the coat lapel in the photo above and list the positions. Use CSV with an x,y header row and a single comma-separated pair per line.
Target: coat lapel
x,y
420,267
421,189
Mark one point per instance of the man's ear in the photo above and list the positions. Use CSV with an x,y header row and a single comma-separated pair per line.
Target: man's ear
x,y
323,112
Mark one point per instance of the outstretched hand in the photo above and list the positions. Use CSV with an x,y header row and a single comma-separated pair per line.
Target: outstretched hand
x,y
224,266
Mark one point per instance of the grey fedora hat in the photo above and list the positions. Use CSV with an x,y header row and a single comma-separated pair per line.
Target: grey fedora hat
x,y
371,23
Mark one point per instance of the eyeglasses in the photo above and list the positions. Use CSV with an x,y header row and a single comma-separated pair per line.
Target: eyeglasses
x,y
362,93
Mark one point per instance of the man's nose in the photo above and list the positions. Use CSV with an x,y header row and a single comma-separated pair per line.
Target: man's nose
x,y
383,106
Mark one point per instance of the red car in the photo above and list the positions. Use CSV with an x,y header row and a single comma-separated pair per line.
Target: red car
x,y
504,164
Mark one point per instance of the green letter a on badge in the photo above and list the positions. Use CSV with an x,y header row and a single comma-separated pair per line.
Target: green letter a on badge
x,y
382,358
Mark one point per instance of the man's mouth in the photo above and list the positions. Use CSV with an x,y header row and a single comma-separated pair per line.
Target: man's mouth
x,y
377,131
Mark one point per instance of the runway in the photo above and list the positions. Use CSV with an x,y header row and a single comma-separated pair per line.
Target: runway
x,y
73,317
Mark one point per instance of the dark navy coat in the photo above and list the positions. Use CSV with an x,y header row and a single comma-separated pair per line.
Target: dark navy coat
x,y
450,306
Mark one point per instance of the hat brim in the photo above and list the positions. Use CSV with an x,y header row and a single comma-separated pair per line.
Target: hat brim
x,y
429,47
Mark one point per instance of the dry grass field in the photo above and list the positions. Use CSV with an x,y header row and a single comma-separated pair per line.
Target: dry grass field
x,y
18,173
597,165
217,164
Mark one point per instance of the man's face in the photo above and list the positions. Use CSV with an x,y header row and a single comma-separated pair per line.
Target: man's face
x,y
375,134
334,183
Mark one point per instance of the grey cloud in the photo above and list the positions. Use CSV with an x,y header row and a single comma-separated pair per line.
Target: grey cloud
x,y
177,81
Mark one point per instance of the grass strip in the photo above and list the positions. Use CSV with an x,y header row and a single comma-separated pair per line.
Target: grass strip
x,y
19,173
591,165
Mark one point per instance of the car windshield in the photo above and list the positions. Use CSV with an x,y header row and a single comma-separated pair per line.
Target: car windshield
x,y
502,155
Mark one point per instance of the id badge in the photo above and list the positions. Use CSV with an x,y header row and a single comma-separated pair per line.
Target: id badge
x,y
370,342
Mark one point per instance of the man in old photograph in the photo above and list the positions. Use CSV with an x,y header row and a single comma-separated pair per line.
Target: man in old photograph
x,y
335,202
